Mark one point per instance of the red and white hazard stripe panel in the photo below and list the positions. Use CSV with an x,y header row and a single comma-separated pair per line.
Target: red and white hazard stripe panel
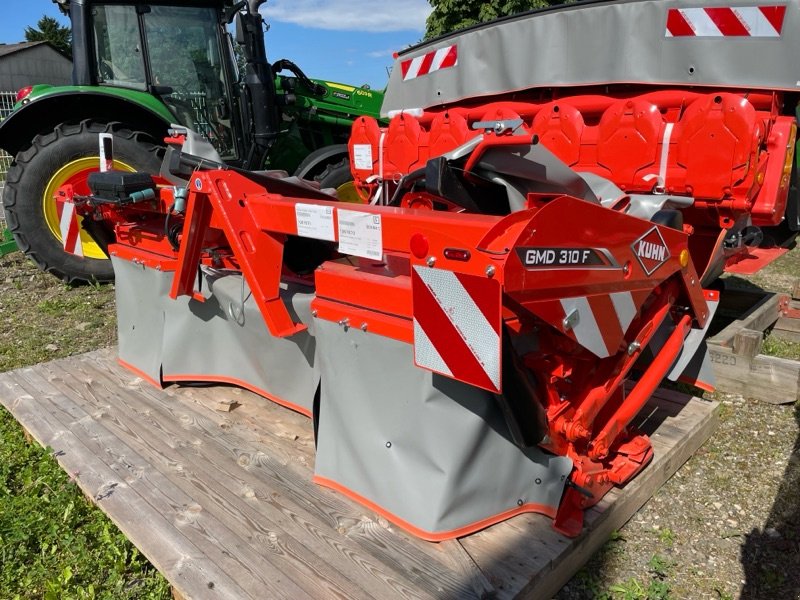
x,y
457,326
443,58
70,228
598,323
739,21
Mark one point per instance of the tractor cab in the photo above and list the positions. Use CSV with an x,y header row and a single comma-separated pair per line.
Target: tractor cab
x,y
140,67
178,52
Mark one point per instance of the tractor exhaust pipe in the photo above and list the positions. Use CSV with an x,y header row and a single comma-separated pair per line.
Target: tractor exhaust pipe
x,y
259,84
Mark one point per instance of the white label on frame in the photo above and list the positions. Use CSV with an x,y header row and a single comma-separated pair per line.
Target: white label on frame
x,y
314,221
360,234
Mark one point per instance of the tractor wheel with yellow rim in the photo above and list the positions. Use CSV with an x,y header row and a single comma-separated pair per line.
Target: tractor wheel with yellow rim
x,y
66,156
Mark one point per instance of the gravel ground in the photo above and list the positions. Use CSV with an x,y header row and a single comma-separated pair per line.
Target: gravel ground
x,y
727,525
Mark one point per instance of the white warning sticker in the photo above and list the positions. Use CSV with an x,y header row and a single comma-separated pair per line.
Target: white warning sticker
x,y
106,152
314,221
360,234
362,155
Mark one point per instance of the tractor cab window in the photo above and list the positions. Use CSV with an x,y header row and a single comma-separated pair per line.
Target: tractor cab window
x,y
118,48
187,71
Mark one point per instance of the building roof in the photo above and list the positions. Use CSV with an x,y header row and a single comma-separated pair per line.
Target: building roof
x,y
6,49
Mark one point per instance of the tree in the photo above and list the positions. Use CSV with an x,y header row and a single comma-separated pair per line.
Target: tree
x,y
450,15
50,31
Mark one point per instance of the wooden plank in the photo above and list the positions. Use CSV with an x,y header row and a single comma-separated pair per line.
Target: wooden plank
x,y
182,563
747,342
765,378
224,547
734,352
164,420
469,570
761,316
233,494
787,329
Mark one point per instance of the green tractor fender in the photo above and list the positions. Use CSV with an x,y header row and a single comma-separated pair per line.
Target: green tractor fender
x,y
42,112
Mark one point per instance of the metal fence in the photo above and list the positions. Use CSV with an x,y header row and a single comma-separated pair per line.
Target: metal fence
x,y
7,100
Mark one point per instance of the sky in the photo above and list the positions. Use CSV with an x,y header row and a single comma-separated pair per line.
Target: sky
x,y
349,41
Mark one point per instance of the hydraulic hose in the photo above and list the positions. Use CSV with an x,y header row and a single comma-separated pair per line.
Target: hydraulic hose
x,y
286,64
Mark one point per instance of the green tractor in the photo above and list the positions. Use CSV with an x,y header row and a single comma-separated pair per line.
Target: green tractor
x,y
139,67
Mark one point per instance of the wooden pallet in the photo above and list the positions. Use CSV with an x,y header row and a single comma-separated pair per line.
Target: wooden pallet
x,y
735,352
223,505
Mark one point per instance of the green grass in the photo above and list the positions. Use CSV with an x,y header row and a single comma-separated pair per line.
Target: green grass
x,y
592,582
54,544
667,536
774,346
42,319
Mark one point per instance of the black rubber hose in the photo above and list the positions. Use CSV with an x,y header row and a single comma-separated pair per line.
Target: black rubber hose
x,y
288,65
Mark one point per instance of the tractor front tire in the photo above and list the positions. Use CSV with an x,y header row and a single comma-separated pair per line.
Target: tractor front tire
x,y
66,156
338,176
